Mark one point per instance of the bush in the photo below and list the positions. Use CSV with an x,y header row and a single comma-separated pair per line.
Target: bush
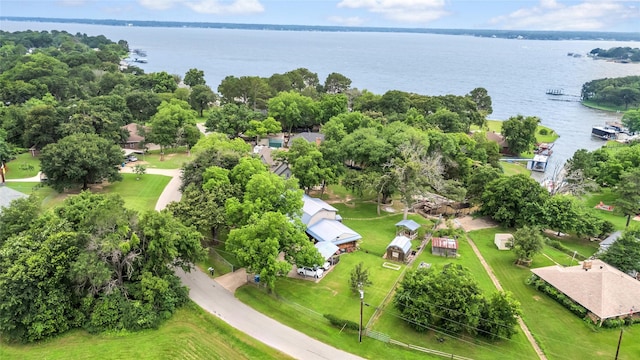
x,y
543,131
558,245
341,323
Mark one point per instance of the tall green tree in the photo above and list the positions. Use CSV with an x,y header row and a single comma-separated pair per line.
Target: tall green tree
x,y
631,119
624,254
628,189
173,120
526,243
80,159
448,298
201,97
514,200
560,213
194,77
499,316
293,110
259,243
520,133
231,119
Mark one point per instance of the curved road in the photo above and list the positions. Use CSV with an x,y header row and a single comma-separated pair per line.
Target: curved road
x,y
212,297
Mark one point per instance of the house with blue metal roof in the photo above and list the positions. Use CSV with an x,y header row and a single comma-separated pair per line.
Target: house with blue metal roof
x,y
408,228
324,224
399,249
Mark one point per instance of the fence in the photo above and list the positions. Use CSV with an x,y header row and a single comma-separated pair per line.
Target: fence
x,y
387,339
220,263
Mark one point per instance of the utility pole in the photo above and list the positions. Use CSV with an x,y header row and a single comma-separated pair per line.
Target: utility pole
x,y
619,341
361,306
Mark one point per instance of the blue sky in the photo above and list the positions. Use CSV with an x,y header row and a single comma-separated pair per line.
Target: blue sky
x,y
579,15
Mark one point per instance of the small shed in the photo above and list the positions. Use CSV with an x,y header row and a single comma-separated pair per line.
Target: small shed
x,y
399,249
444,247
408,228
503,241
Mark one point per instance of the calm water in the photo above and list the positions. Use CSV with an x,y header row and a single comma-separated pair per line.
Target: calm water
x,y
516,73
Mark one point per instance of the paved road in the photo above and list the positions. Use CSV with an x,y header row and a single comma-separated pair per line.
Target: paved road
x,y
215,299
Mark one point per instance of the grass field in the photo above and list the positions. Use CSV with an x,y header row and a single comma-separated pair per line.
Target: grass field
x,y
512,168
608,198
24,166
190,334
140,195
173,158
496,126
561,334
611,108
48,196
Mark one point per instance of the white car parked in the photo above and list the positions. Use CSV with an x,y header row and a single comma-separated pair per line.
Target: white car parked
x,y
310,272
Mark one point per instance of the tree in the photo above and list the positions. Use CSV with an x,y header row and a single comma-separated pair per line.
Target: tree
x,y
293,110
359,278
416,174
560,213
142,104
40,126
252,91
173,119
336,83
624,254
628,190
306,163
480,177
449,299
17,217
520,132
259,128
514,200
80,159
231,119
499,316
163,82
527,242
139,170
194,77
259,243
631,119
201,97
481,97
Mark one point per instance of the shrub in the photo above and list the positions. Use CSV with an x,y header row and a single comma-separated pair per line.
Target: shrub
x,y
341,323
543,131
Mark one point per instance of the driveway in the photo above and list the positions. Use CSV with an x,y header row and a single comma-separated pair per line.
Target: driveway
x,y
215,299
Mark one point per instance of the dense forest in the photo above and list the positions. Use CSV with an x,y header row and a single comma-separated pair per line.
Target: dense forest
x,y
624,91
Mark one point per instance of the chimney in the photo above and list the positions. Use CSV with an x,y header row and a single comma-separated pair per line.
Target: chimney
x,y
586,265
318,140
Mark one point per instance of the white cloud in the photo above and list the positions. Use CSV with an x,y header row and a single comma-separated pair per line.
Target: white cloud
x,y
208,6
552,15
415,11
158,4
346,21
226,7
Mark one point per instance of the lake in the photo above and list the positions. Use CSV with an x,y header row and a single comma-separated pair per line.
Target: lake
x,y
516,73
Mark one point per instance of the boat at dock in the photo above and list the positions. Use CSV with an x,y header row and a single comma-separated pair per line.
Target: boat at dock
x,y
555,91
604,132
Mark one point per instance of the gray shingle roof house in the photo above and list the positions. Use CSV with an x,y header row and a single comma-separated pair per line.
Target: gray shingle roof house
x,y
399,249
601,288
7,195
312,137
323,224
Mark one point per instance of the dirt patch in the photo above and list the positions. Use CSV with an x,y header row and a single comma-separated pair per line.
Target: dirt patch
x,y
536,297
469,223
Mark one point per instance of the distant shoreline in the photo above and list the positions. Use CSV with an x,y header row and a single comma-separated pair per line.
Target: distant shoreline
x,y
502,34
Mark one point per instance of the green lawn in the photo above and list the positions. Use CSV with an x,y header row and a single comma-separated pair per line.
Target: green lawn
x,y
24,166
496,126
140,195
608,198
48,196
561,334
514,168
611,108
190,334
173,158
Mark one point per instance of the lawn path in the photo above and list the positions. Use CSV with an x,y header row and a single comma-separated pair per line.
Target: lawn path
x,y
495,281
